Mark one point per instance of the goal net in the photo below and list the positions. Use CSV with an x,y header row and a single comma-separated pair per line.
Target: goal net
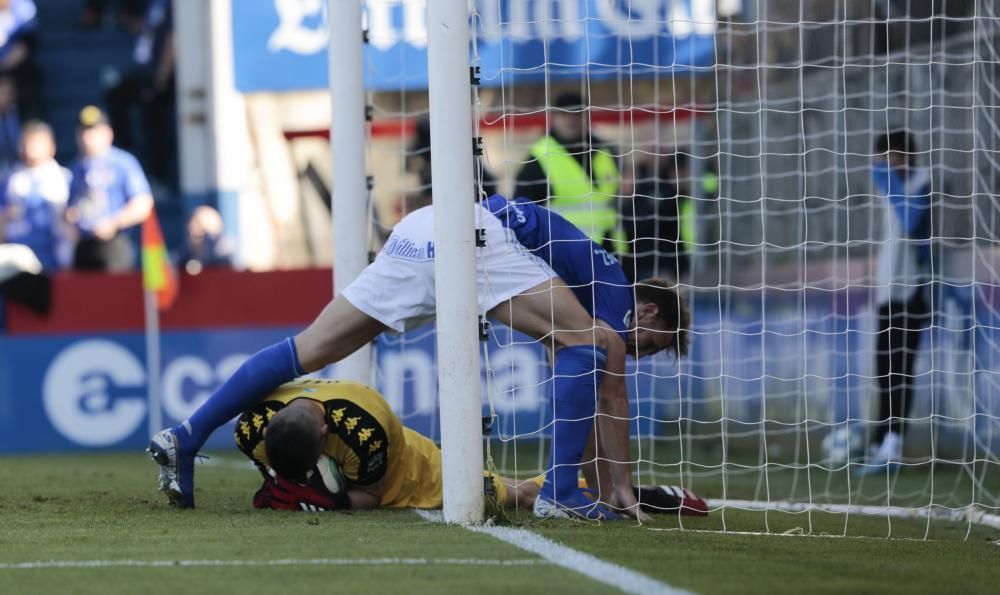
x,y
748,138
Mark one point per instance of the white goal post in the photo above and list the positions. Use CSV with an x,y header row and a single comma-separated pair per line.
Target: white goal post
x,y
459,386
348,137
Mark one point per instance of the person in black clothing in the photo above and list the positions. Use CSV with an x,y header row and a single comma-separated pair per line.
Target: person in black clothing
x,y
903,288
570,126
18,48
652,218
418,161
207,247
150,86
129,13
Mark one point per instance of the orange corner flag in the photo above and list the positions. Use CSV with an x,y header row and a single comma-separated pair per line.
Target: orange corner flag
x,y
157,274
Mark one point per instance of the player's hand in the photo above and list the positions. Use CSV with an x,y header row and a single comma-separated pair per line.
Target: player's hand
x,y
623,499
105,230
278,493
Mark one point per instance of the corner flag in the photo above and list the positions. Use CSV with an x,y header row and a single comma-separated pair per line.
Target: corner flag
x,y
157,275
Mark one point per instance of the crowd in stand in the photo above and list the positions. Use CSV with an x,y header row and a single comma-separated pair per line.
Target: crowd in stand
x,y
82,216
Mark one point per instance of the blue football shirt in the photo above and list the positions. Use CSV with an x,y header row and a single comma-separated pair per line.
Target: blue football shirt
x,y
33,198
595,276
102,185
15,22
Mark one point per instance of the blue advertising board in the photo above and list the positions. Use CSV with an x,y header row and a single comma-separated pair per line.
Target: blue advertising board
x,y
281,45
62,393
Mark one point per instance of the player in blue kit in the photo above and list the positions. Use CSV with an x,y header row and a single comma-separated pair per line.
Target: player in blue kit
x,y
396,293
600,285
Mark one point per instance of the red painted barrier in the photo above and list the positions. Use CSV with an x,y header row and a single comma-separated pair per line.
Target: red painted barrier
x,y
404,127
85,303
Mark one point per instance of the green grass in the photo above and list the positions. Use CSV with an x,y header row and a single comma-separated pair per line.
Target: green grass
x,y
105,507
790,474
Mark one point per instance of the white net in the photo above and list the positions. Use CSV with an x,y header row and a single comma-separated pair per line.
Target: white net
x,y
749,175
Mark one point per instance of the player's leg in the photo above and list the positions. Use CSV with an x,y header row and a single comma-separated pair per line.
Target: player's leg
x,y
338,331
912,321
596,475
551,312
391,293
887,361
891,366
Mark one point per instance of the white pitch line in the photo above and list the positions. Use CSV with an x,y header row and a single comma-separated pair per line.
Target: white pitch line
x,y
48,564
959,515
607,573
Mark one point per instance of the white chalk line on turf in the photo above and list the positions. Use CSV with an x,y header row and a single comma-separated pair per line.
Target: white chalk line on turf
x,y
612,575
964,514
50,564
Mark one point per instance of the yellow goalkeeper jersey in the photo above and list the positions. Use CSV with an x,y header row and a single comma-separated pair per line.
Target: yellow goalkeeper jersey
x,y
366,439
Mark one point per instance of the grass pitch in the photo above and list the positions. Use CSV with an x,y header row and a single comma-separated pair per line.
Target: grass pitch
x,y
105,508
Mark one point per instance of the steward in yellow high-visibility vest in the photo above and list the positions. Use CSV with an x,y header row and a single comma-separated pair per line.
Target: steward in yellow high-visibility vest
x,y
571,171
586,199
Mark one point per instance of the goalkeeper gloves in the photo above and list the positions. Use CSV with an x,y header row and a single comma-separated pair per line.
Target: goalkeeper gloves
x,y
278,493
670,499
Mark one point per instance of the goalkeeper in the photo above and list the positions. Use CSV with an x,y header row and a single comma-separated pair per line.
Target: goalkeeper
x,y
379,462
385,464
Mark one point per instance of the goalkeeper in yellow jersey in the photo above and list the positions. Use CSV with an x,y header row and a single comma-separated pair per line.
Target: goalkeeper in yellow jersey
x,y
329,445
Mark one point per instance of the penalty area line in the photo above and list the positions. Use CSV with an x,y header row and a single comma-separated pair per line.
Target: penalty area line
x,y
602,571
50,564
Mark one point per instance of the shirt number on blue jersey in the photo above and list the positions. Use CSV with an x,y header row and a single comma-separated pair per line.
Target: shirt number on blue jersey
x,y
607,258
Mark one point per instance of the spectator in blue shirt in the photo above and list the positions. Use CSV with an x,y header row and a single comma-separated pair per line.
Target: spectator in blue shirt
x,y
33,199
18,41
109,194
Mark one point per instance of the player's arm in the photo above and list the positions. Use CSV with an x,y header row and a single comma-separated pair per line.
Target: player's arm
x,y
365,497
249,437
365,460
613,437
136,209
365,475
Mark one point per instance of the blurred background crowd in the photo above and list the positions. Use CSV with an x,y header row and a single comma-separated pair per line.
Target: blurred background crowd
x,y
88,142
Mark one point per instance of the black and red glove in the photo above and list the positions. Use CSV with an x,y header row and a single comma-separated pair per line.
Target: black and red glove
x,y
278,493
670,499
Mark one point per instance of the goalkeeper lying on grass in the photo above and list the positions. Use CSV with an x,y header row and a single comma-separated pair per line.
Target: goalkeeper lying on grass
x,y
328,445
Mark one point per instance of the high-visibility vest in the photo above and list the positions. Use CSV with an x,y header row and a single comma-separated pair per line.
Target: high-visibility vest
x,y
686,215
587,203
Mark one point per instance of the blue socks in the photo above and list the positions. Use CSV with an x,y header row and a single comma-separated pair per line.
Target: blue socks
x,y
258,377
576,377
